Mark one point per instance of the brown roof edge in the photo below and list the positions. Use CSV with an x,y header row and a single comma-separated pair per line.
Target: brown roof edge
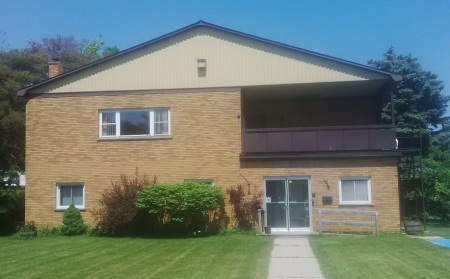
x,y
22,92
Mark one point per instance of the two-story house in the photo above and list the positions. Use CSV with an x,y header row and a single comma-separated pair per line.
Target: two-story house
x,y
206,102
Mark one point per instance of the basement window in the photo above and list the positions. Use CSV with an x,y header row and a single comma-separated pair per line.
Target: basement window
x,y
131,123
204,181
70,193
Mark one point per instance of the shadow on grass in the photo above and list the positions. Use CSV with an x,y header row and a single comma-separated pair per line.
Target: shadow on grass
x,y
55,232
180,235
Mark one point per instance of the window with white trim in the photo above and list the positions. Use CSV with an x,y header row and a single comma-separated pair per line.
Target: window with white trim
x,y
134,123
70,193
355,190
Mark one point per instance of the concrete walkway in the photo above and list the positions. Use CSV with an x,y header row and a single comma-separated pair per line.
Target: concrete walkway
x,y
292,257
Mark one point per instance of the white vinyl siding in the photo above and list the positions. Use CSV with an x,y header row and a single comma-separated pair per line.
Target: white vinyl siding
x,y
355,190
131,123
70,193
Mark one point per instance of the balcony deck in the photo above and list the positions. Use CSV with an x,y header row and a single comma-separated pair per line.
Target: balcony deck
x,y
367,140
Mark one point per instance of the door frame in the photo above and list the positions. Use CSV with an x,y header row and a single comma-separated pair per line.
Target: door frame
x,y
286,178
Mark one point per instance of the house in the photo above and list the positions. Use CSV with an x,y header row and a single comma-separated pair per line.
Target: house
x,y
206,102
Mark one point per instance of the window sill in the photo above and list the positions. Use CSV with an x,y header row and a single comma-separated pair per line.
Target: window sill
x,y
356,205
135,138
64,209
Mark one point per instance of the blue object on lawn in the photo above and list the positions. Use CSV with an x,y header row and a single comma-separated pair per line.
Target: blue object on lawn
x,y
442,242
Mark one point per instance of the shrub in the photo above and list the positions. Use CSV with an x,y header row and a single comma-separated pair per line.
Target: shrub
x,y
12,209
73,222
245,207
183,207
118,214
49,231
28,229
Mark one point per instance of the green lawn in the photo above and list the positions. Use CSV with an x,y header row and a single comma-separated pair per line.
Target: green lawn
x,y
438,228
230,256
385,256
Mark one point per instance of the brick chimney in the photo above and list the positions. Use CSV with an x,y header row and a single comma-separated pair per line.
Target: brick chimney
x,y
55,68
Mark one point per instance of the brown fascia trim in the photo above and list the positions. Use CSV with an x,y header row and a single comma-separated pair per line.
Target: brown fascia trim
x,y
131,92
320,155
394,77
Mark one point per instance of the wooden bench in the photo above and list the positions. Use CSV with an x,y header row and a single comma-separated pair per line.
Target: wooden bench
x,y
373,223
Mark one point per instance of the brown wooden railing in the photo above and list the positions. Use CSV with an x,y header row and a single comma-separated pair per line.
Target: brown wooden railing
x,y
319,139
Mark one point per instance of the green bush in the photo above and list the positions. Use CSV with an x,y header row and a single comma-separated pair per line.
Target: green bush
x,y
183,207
73,222
12,209
118,214
49,231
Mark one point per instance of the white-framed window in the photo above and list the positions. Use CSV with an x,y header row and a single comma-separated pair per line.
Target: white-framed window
x,y
134,123
355,190
70,193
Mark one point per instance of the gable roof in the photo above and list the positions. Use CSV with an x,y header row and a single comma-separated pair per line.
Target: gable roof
x,y
226,31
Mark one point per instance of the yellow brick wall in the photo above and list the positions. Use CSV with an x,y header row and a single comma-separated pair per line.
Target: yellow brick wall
x,y
382,172
62,146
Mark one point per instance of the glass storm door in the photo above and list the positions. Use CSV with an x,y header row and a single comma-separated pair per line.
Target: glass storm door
x,y
287,203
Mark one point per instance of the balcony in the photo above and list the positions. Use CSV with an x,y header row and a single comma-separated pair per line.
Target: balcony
x,y
334,141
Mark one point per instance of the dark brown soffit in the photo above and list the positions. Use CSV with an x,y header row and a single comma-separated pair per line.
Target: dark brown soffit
x,y
320,155
131,92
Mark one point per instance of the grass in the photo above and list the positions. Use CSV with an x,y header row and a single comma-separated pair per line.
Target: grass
x,y
230,256
438,228
385,256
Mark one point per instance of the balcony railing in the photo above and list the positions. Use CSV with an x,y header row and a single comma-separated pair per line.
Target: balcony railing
x,y
319,139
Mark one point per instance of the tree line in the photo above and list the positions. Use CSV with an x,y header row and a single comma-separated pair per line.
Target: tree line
x,y
28,66
420,108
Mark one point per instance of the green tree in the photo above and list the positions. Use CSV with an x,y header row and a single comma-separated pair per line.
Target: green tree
x,y
12,209
92,49
18,68
96,49
437,183
71,52
418,99
107,51
73,222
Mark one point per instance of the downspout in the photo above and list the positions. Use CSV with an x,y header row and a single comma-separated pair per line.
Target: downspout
x,y
243,120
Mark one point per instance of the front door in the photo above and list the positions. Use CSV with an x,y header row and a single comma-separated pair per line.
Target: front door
x,y
287,203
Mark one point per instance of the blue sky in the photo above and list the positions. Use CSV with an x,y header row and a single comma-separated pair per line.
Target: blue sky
x,y
353,30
